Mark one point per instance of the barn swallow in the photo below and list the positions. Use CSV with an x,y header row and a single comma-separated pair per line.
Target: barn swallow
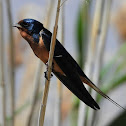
x,y
64,67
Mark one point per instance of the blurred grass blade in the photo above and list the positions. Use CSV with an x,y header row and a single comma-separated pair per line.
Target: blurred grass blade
x,y
121,66
2,78
23,107
105,70
100,54
35,93
82,119
11,46
117,69
82,31
57,113
119,77
115,82
39,69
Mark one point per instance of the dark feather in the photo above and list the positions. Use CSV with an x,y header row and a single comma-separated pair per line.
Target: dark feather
x,y
71,69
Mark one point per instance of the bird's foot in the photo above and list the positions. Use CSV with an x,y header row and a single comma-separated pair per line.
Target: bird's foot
x,y
46,75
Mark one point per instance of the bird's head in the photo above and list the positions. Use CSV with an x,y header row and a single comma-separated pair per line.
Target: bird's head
x,y
29,27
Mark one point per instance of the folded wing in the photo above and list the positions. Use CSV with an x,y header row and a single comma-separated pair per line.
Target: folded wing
x,y
71,77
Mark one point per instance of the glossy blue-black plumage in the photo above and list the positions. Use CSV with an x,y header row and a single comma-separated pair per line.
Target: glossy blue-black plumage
x,y
72,71
69,72
33,28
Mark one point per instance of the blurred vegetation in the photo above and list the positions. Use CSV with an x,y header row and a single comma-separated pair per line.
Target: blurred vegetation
x,y
112,75
114,72
82,32
82,39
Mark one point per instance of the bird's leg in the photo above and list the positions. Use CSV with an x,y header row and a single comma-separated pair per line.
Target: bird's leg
x,y
47,71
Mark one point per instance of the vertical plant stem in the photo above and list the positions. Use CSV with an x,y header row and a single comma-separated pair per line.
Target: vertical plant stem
x,y
38,71
82,118
2,81
11,46
95,32
94,38
57,117
49,13
47,82
100,54
35,93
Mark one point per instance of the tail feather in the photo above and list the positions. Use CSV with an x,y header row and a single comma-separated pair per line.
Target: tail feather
x,y
105,96
78,89
88,82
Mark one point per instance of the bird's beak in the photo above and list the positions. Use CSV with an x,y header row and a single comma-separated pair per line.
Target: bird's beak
x,y
17,25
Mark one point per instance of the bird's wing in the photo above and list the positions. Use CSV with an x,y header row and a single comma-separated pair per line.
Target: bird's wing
x,y
68,65
80,91
73,72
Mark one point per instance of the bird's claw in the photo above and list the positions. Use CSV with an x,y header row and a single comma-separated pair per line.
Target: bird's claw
x,y
46,76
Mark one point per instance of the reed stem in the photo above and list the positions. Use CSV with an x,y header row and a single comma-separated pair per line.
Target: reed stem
x,y
38,71
2,78
58,114
47,81
11,67
100,55
83,110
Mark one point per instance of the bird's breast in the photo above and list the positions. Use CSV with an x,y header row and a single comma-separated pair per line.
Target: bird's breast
x,y
42,53
40,50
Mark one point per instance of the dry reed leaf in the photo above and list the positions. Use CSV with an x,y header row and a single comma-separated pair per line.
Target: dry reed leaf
x,y
120,21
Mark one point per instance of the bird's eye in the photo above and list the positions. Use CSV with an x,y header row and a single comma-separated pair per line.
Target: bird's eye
x,y
25,24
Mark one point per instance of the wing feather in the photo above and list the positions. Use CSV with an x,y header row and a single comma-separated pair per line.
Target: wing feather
x,y
69,66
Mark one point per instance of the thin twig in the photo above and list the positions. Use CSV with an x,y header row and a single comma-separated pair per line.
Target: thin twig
x,y
2,81
11,46
100,54
63,3
57,117
47,82
82,118
38,72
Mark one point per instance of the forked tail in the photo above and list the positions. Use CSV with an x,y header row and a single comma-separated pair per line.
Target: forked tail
x,y
105,96
88,82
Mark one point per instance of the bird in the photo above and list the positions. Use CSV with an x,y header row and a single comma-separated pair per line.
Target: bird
x,y
64,67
